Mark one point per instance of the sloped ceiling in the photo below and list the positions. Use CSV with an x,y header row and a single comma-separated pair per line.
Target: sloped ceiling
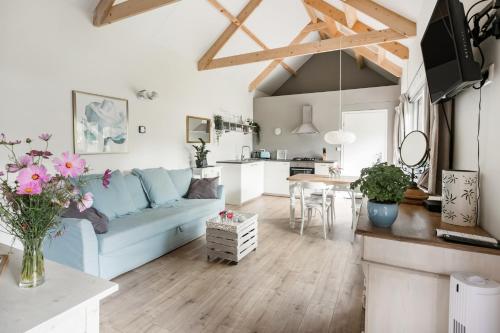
x,y
189,27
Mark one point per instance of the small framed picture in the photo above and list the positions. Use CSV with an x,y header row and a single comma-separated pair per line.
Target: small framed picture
x,y
100,124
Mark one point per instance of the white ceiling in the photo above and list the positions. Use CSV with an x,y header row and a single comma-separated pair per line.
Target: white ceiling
x,y
189,27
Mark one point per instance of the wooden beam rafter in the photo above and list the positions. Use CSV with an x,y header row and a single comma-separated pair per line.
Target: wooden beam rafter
x,y
106,13
337,15
269,68
247,31
314,19
377,58
226,35
343,42
386,16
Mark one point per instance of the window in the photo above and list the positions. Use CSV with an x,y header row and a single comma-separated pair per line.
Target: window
x,y
414,118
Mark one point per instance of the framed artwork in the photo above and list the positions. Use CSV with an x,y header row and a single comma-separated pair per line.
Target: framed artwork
x,y
198,128
100,124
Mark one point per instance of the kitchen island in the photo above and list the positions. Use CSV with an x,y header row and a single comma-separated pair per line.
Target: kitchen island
x,y
245,180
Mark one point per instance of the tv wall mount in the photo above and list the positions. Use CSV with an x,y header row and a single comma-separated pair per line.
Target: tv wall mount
x,y
483,29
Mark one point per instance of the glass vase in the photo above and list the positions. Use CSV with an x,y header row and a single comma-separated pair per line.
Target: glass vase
x,y
33,265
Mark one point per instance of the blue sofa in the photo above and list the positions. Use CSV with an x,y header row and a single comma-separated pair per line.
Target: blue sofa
x,y
137,237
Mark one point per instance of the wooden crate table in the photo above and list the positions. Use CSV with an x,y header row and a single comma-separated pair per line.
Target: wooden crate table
x,y
232,240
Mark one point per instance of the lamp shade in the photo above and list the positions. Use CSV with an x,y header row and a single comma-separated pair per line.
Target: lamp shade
x,y
339,137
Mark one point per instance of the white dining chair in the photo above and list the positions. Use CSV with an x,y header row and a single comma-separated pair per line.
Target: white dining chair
x,y
310,203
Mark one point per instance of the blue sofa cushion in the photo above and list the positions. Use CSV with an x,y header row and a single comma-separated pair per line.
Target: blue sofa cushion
x,y
137,227
181,179
136,191
113,201
158,186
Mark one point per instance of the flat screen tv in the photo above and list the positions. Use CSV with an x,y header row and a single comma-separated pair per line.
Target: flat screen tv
x,y
447,52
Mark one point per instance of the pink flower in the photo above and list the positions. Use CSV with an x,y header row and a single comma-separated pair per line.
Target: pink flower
x,y
12,168
45,136
26,160
31,188
70,165
106,178
1,173
33,173
85,202
40,153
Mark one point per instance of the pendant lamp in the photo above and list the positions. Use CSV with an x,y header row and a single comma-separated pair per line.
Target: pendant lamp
x,y
340,137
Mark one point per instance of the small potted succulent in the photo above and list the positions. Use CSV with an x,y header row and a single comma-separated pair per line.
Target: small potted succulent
x,y
384,185
201,154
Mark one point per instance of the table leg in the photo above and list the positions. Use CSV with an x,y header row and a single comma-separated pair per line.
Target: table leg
x,y
353,204
292,187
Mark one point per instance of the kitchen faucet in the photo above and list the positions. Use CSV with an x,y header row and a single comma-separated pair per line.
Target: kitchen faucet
x,y
243,152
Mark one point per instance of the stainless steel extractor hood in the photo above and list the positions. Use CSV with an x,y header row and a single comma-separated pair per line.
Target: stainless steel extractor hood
x,y
307,126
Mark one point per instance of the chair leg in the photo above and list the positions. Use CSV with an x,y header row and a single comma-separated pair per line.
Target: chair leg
x,y
329,219
302,219
323,214
309,216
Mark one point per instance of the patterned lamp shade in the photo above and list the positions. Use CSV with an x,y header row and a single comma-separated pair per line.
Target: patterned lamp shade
x,y
460,194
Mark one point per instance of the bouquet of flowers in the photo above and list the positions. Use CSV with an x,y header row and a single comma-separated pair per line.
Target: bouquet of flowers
x,y
335,170
31,199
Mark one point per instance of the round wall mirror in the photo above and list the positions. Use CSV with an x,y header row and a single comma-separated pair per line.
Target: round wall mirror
x,y
415,149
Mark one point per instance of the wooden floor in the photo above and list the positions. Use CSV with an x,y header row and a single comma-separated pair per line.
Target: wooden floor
x,y
290,284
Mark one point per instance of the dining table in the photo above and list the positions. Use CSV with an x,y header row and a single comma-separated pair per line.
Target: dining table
x,y
338,183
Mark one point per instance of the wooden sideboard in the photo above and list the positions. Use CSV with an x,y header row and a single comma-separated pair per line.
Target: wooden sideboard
x,y
407,269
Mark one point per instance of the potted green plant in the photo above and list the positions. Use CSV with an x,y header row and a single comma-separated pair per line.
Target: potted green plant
x,y
201,154
256,130
384,185
219,127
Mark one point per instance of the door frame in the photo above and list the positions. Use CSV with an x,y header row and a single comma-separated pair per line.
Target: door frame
x,y
386,112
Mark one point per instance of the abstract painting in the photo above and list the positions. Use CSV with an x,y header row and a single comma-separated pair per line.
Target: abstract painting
x,y
100,124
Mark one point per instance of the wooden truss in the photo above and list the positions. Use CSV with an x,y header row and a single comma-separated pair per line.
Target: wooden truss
x,y
338,29
107,12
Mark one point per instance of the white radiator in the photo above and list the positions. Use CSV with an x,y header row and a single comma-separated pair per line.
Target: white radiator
x,y
474,304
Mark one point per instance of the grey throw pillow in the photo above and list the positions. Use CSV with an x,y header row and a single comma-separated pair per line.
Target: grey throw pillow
x,y
205,188
99,220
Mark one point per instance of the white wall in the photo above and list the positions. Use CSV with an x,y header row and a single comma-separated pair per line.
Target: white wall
x,y
466,119
285,112
50,47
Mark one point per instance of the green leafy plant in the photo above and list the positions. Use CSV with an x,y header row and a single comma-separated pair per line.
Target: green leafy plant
x,y
383,183
219,127
201,154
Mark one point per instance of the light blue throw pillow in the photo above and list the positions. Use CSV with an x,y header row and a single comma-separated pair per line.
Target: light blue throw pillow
x,y
136,191
158,186
181,179
113,201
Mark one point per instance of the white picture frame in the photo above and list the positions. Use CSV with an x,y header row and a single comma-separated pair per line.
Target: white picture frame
x,y
100,124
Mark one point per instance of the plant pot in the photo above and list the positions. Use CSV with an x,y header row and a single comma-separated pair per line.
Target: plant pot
x,y
382,215
201,164
33,264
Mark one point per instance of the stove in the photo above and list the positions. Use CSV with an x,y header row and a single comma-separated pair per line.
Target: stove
x,y
302,165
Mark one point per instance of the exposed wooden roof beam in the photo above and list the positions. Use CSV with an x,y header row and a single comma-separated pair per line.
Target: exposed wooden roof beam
x,y
314,19
247,31
334,32
377,58
230,30
106,13
344,42
326,9
386,16
102,11
265,73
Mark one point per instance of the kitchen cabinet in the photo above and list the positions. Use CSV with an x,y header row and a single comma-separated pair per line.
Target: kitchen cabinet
x,y
322,168
275,175
242,181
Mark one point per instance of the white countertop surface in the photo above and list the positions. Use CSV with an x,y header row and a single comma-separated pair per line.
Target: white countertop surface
x,y
64,289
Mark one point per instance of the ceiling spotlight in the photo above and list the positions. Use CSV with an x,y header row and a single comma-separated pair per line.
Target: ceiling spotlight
x,y
146,94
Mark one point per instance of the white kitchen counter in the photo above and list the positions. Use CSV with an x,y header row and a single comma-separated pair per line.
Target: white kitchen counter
x,y
68,301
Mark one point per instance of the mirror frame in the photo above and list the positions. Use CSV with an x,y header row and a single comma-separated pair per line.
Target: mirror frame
x,y
209,124
424,158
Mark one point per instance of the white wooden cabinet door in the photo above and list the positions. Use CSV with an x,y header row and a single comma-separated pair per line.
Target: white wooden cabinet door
x,y
322,168
252,180
275,175
246,183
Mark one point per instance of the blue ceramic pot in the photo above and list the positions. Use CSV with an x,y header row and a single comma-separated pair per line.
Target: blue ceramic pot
x,y
382,214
